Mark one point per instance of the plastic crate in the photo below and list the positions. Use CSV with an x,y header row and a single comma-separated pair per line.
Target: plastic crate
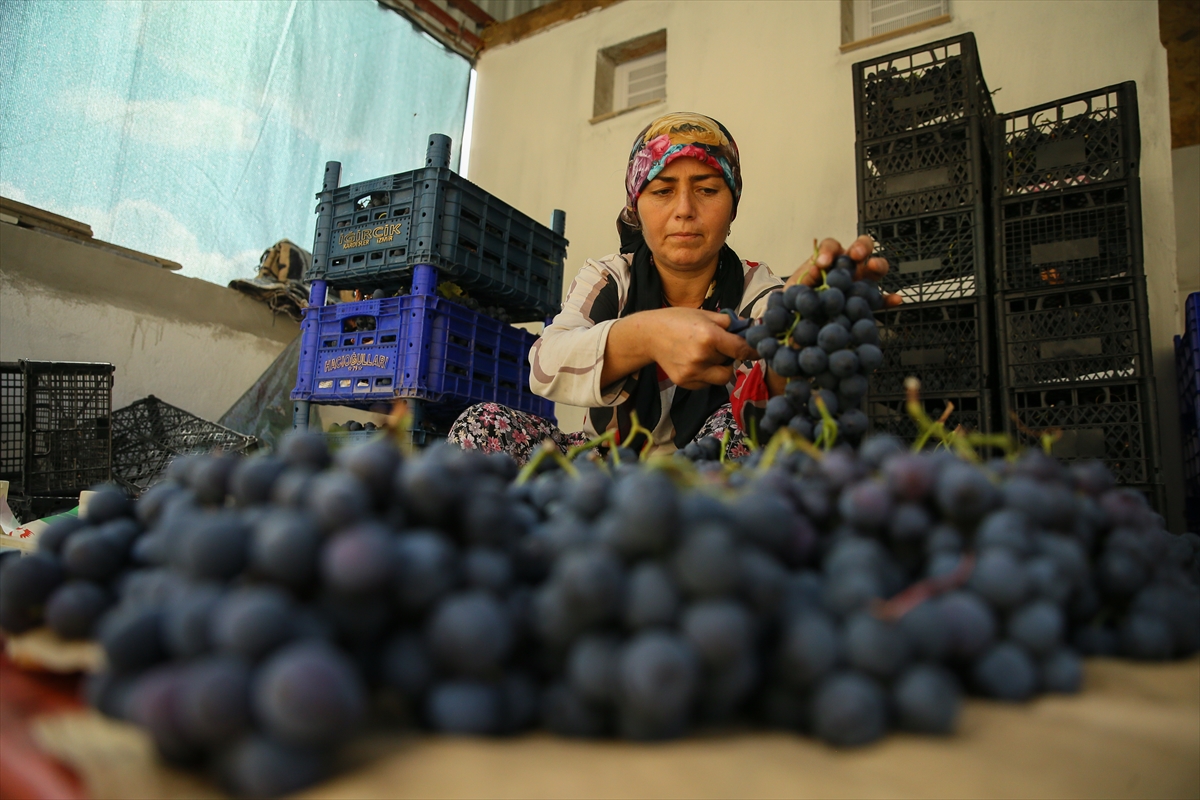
x,y
419,438
1071,237
12,424
889,413
944,344
149,434
418,346
934,257
371,234
1076,141
1111,422
1097,333
928,85
923,172
60,413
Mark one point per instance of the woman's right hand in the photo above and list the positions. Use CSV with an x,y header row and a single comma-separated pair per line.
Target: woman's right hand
x,y
690,345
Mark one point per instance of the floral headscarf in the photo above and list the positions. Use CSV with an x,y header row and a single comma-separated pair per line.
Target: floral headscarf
x,y
679,135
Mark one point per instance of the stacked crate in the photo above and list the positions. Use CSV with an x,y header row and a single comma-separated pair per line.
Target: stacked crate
x,y
1070,283
55,432
1187,373
396,237
923,121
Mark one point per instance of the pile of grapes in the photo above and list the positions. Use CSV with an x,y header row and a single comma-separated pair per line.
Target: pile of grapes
x,y
256,612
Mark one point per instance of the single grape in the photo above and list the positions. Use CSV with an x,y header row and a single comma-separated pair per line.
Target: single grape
x,y
359,560
252,621
812,361
1006,672
1062,672
465,707
75,607
849,710
870,357
875,647
720,631
927,699
651,597
658,674
214,700
592,668
1038,627
308,694
810,649
470,634
706,564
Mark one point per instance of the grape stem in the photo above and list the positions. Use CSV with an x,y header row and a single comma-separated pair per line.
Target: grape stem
x,y
550,450
829,426
894,608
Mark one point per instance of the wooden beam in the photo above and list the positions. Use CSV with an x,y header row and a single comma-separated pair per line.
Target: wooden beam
x,y
473,12
539,19
27,216
1179,30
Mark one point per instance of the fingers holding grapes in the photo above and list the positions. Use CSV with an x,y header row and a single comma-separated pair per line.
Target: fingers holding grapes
x,y
693,348
866,266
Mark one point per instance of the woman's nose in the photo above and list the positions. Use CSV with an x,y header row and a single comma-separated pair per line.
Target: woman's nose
x,y
684,207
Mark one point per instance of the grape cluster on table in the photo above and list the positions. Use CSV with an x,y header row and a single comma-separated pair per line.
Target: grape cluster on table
x,y
256,612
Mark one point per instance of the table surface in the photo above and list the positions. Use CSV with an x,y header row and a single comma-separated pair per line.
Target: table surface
x,y
1134,732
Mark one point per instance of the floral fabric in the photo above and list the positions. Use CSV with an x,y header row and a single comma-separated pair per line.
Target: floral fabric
x,y
494,428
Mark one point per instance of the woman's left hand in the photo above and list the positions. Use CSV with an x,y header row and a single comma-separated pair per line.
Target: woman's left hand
x,y
871,268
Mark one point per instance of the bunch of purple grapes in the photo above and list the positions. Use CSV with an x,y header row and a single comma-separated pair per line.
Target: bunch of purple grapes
x,y
825,341
263,607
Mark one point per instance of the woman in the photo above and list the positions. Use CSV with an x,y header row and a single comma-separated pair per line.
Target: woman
x,y
640,329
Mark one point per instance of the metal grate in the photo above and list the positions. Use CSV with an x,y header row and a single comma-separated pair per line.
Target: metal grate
x,y
1107,422
940,343
1062,238
63,425
1076,141
929,85
1073,336
12,425
149,434
937,257
929,170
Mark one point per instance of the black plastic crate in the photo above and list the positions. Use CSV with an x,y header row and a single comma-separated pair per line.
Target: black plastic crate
x,y
934,257
1079,334
1076,141
12,424
149,434
945,345
57,436
926,171
972,410
1070,237
1113,422
928,85
371,234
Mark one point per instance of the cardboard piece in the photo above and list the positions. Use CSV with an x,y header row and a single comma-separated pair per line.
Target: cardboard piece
x,y
1134,732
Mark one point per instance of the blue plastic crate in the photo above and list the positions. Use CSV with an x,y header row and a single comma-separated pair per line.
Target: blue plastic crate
x,y
368,353
371,234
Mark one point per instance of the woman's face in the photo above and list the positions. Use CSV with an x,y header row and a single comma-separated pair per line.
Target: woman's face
x,y
685,213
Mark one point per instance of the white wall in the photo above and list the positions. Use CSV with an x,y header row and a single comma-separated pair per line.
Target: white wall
x,y
189,342
1186,163
771,71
